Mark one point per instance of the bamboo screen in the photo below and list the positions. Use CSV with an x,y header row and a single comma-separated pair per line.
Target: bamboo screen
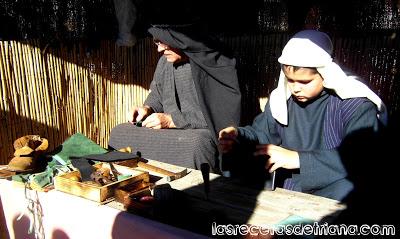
x,y
58,91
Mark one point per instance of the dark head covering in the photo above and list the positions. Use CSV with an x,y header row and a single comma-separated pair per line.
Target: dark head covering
x,y
214,73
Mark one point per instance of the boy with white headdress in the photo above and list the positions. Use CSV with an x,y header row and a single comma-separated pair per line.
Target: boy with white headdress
x,y
314,108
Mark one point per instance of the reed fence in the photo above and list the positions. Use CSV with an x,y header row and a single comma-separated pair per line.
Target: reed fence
x,y
58,90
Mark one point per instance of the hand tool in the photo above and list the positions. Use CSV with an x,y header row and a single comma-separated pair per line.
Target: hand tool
x,y
205,172
138,161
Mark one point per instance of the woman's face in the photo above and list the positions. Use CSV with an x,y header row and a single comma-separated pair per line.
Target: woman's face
x,y
304,83
173,55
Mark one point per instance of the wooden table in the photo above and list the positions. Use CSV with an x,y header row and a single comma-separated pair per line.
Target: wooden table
x,y
227,203
231,203
250,206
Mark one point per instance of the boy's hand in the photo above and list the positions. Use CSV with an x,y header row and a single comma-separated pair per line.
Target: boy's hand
x,y
278,157
227,139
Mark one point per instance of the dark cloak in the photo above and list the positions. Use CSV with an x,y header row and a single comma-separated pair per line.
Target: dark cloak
x,y
214,74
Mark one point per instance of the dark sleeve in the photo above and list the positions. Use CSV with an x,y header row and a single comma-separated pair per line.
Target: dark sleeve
x,y
154,99
321,167
188,120
262,131
179,120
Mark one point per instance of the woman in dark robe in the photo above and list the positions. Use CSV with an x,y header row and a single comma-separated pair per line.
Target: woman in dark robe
x,y
194,94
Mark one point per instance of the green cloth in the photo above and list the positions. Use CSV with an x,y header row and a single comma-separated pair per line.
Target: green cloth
x,y
22,178
77,145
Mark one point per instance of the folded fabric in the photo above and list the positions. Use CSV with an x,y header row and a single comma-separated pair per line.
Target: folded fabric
x,y
76,146
42,179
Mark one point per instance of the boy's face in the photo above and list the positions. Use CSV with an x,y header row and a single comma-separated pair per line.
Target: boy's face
x,y
304,83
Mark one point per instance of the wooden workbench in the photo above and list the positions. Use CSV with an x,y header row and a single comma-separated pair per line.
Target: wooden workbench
x,y
244,205
227,203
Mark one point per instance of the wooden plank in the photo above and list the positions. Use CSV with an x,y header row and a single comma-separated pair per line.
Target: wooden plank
x,y
244,204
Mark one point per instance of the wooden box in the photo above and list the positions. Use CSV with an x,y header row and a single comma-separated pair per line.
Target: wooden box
x,y
130,195
92,191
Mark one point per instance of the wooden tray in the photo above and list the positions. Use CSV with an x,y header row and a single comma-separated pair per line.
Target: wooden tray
x,y
130,194
87,190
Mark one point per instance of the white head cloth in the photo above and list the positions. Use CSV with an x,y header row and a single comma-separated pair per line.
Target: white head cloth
x,y
311,48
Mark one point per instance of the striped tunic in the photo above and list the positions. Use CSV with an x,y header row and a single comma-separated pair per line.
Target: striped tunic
x,y
315,130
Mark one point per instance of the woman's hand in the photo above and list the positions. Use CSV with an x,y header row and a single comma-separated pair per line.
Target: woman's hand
x,y
159,121
139,113
278,157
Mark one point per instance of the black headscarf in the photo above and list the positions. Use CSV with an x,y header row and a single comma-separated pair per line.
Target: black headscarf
x,y
214,73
